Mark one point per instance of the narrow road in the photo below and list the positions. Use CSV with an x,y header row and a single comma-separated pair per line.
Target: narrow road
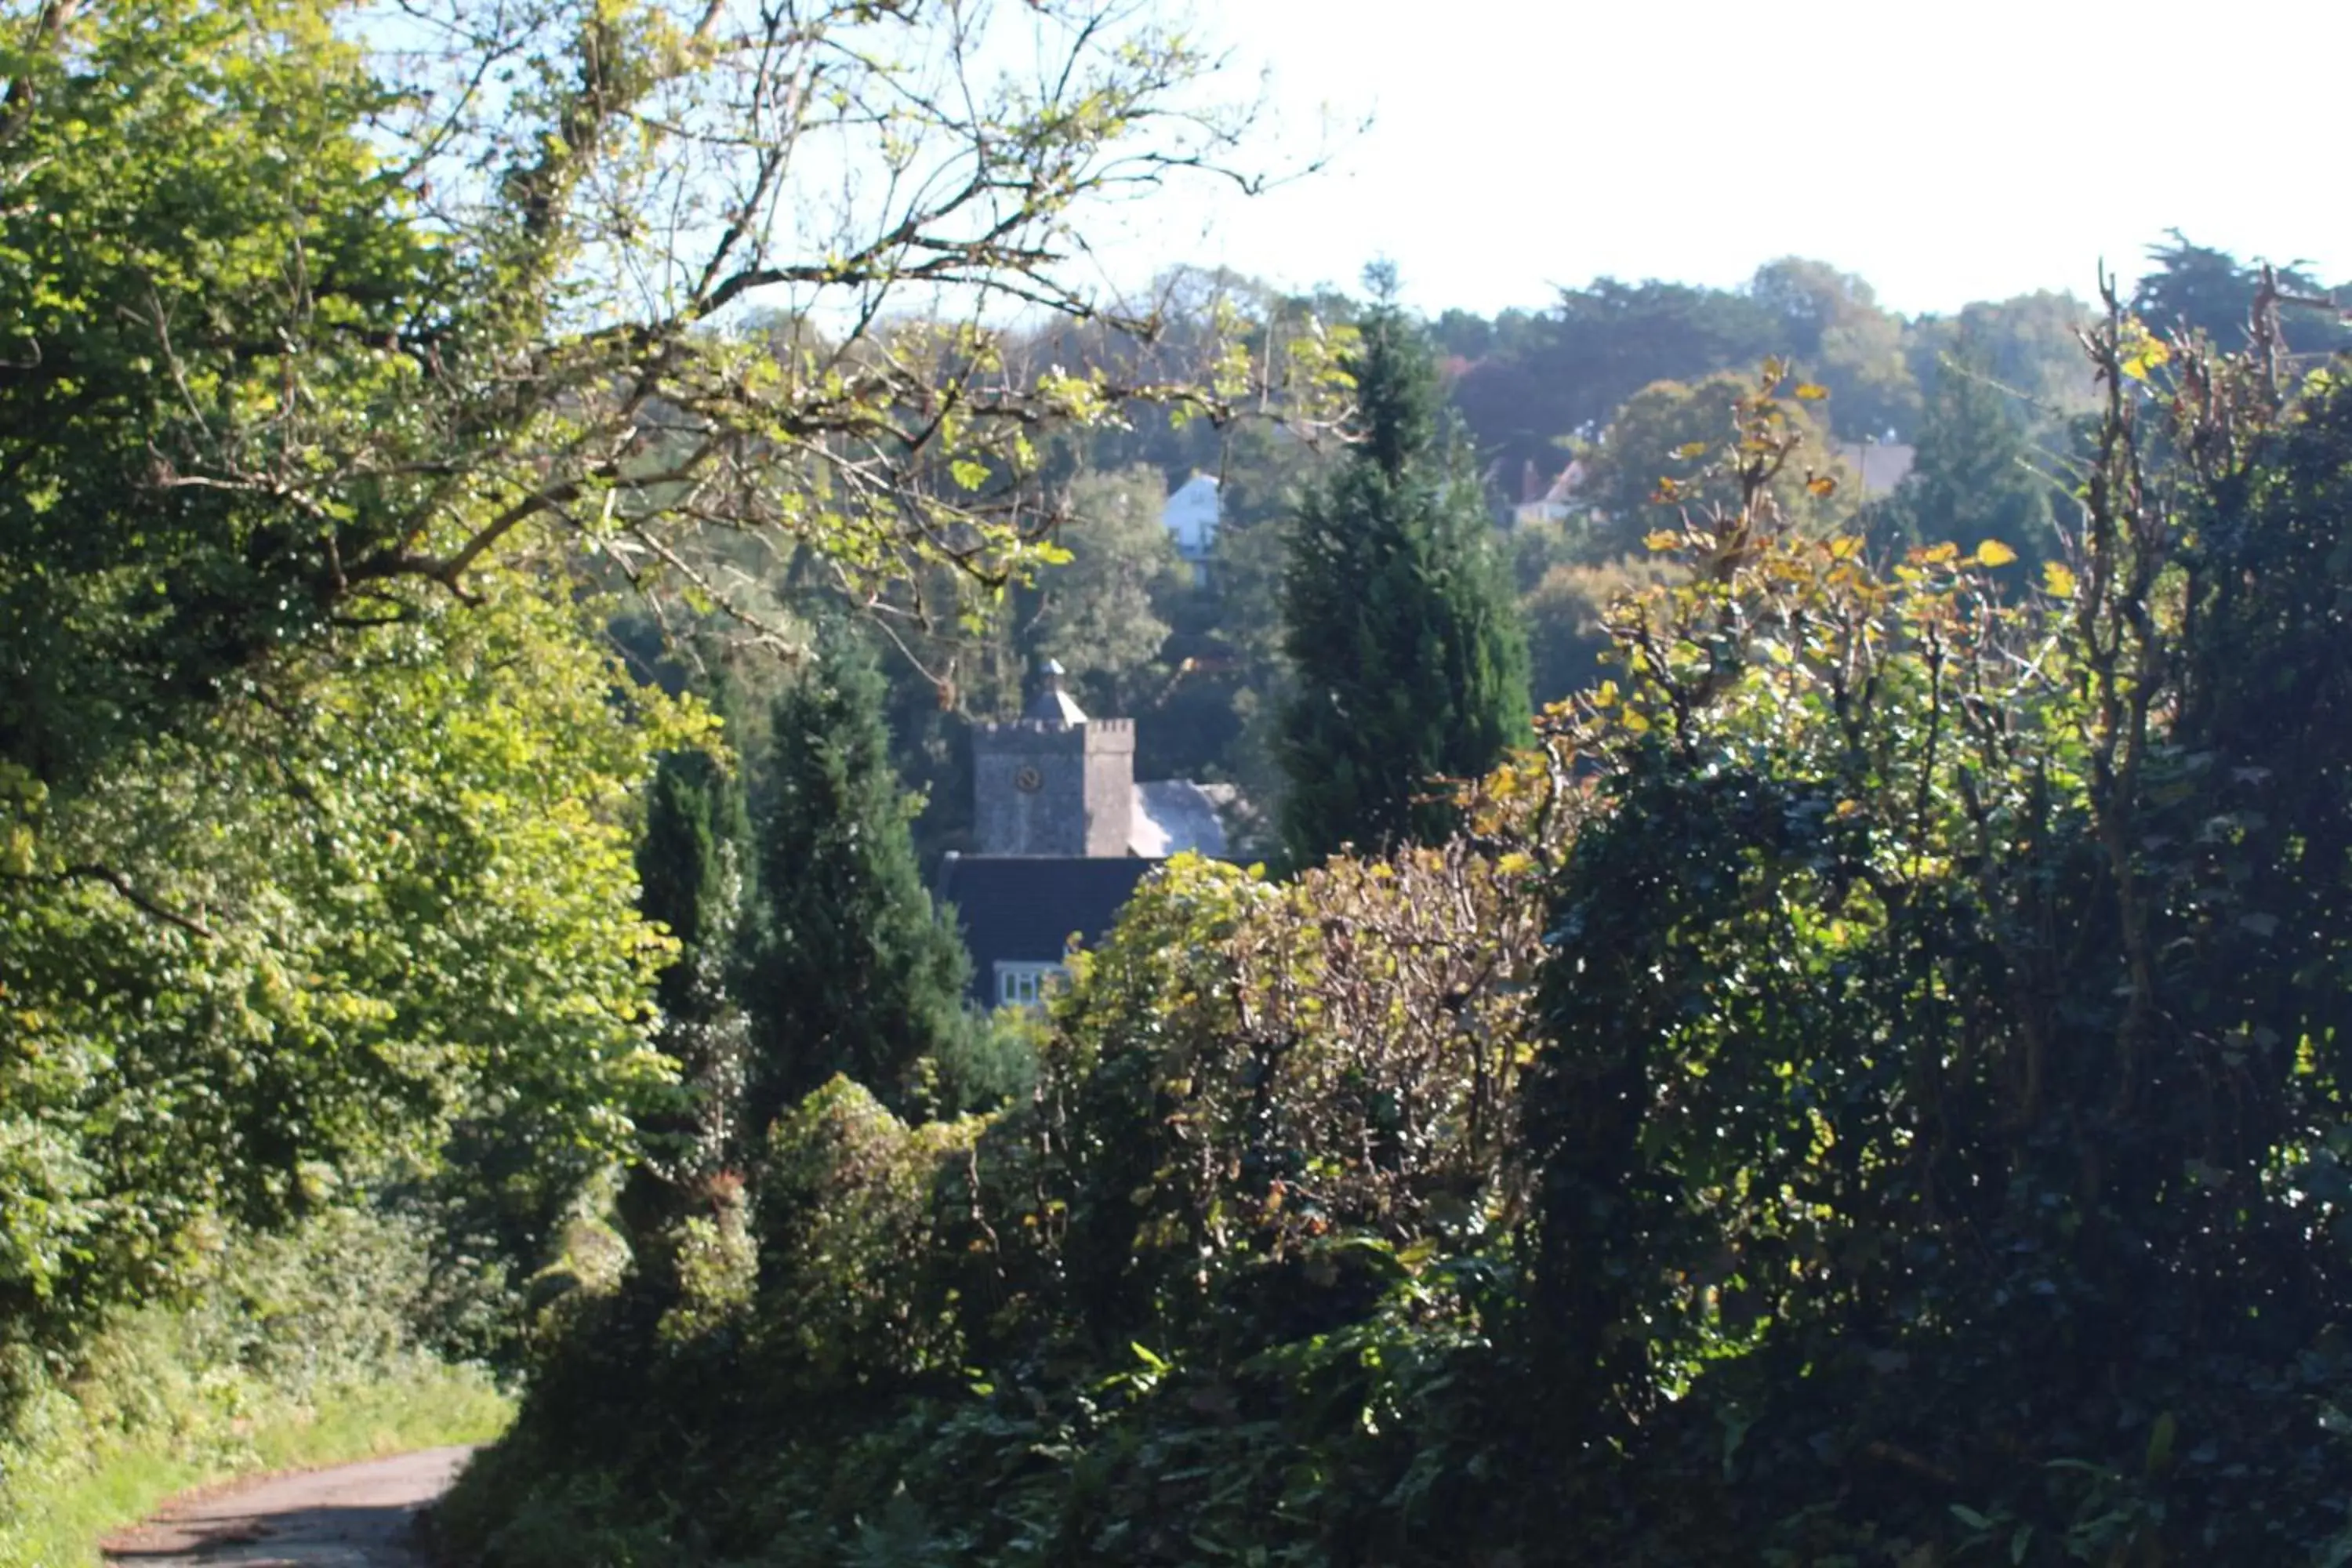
x,y
354,1516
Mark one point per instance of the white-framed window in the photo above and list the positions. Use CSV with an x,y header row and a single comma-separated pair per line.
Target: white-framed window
x,y
1023,984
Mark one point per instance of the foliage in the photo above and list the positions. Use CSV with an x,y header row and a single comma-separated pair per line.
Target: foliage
x,y
1866,1092
317,938
302,1348
689,873
1198,1297
1975,476
1832,322
1652,465
192,360
344,363
1945,1030
1567,616
1535,382
2195,288
1098,614
2030,346
1568,369
846,967
1408,657
986,1067
357,320
849,1232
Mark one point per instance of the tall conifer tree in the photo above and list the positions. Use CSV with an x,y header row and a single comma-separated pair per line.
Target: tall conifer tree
x,y
848,967
690,879
1410,662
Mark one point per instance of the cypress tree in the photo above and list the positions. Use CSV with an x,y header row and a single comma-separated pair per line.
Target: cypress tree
x,y
1410,662
847,969
690,878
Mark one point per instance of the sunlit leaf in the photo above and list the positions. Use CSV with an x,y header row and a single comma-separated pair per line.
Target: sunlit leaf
x,y
1993,552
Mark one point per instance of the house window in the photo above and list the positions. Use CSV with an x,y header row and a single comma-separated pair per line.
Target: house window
x,y
1022,985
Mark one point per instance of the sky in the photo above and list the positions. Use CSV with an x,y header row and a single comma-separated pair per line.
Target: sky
x,y
1945,151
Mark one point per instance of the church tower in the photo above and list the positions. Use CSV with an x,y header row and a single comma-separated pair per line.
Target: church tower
x,y
1054,782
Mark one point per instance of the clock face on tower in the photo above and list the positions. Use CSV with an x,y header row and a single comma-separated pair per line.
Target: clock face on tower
x,y
1028,781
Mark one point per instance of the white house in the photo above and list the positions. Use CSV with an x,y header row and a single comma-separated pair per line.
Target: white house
x,y
1191,518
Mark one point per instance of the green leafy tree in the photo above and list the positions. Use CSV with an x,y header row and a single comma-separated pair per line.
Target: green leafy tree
x,y
1567,614
1100,612
385,930
1975,476
336,361
333,327
2029,344
1398,620
1564,373
848,967
1660,459
1830,321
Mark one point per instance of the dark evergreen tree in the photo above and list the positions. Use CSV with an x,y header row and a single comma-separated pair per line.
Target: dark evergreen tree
x,y
2208,290
689,876
848,967
1410,662
1975,476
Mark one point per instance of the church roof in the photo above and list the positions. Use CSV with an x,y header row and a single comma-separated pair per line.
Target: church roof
x,y
1026,909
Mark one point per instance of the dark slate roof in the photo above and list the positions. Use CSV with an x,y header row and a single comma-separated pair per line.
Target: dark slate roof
x,y
1024,909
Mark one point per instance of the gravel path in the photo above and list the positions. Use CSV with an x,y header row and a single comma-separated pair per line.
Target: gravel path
x,y
354,1516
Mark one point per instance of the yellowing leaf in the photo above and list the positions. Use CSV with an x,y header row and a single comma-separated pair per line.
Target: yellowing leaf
x,y
2057,579
1820,484
1811,391
1691,450
1993,552
1937,555
1663,539
2142,352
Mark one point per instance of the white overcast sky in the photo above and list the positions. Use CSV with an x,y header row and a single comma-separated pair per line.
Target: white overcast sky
x,y
1945,151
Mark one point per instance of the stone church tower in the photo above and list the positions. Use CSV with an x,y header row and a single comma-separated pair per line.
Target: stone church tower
x,y
1054,782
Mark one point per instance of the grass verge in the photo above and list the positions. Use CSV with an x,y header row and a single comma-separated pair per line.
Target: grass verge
x,y
79,1480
